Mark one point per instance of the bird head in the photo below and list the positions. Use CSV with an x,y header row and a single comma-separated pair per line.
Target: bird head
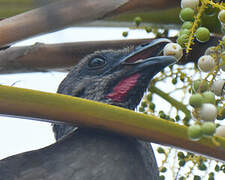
x,y
117,77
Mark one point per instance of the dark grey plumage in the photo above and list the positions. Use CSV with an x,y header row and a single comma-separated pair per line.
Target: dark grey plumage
x,y
92,154
137,158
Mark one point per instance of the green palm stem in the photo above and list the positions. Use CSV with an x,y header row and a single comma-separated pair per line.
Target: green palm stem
x,y
57,107
178,105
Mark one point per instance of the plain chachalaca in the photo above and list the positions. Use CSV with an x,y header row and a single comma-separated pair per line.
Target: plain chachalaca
x,y
116,77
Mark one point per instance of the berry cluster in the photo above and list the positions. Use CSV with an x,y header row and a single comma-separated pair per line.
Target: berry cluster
x,y
203,99
190,15
201,87
208,91
205,109
207,98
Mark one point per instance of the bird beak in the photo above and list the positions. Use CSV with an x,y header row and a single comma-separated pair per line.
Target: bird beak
x,y
147,55
146,50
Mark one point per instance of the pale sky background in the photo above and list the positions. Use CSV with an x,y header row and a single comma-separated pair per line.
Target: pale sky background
x,y
18,135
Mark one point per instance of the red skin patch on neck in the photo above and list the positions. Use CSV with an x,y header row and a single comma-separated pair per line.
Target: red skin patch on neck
x,y
123,87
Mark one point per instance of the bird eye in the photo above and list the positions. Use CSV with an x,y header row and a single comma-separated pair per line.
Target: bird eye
x,y
96,62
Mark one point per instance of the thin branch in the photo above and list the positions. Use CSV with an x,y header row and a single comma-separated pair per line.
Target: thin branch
x,y
171,100
53,17
62,108
61,57
145,5
13,7
65,13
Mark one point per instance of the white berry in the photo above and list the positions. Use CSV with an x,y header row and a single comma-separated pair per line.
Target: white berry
x,y
220,131
206,63
208,112
189,4
218,87
173,49
221,16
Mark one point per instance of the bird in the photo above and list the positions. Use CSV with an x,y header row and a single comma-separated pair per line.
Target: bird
x,y
115,77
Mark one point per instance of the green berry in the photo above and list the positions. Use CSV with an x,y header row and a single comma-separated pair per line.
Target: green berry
x,y
187,14
174,81
181,162
137,20
177,118
148,29
172,120
180,155
162,115
211,174
167,117
209,97
162,177
217,101
182,39
211,178
208,128
190,155
217,168
187,25
152,106
181,178
202,167
185,31
217,125
161,112
160,150
141,109
202,34
125,34
182,76
163,169
144,104
197,177
196,100
186,120
200,86
194,132
149,97
222,167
